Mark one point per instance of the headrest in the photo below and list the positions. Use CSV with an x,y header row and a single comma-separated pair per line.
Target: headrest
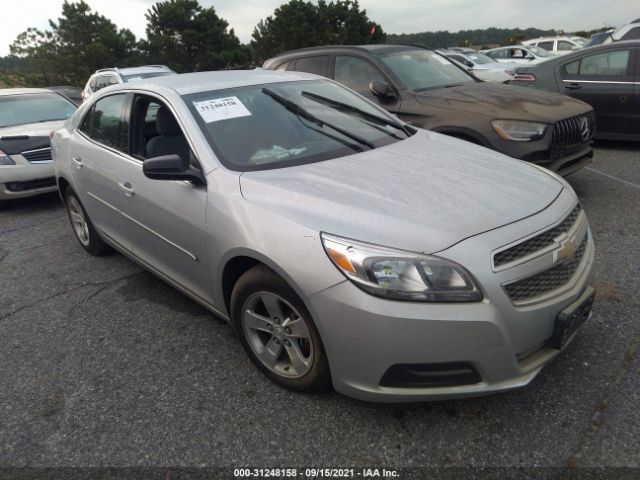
x,y
166,123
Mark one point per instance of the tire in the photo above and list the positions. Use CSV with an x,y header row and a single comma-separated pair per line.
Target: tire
x,y
83,229
292,352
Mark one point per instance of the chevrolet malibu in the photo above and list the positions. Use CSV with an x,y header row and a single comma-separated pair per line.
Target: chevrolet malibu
x,y
346,248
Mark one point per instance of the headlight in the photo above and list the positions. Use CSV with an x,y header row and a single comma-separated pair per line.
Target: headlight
x,y
5,159
519,131
401,275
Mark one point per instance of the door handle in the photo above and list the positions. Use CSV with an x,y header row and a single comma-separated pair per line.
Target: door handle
x,y
77,161
573,86
127,189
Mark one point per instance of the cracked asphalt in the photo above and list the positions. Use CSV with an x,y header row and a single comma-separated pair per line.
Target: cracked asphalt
x,y
102,364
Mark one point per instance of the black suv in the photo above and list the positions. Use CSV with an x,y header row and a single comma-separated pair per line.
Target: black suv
x,y
427,90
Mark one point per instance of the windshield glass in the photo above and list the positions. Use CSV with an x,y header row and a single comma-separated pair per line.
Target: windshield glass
x,y
540,52
289,123
580,41
34,108
423,70
480,58
140,76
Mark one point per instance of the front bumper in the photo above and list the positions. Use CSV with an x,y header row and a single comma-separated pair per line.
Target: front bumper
x,y
364,336
26,179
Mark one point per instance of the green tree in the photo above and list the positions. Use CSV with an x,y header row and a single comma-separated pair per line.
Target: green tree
x,y
80,42
301,23
187,37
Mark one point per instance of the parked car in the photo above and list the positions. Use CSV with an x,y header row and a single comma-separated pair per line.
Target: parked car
x,y
599,38
604,76
27,117
112,76
631,31
560,45
518,54
345,246
426,89
72,93
482,66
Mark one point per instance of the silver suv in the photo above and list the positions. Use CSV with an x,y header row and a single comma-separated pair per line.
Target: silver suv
x,y
347,248
112,76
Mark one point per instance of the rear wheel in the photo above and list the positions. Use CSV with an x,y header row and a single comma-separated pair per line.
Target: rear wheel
x,y
82,226
277,332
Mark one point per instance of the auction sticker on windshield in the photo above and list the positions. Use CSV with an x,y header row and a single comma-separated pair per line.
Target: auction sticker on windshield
x,y
221,109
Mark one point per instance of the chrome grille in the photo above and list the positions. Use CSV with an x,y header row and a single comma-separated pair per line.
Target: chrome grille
x,y
538,242
41,155
548,280
568,135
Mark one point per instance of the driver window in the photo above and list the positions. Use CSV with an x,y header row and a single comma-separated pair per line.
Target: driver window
x,y
356,74
157,132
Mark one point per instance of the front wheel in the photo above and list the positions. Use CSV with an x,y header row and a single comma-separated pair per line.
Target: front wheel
x,y
82,227
277,332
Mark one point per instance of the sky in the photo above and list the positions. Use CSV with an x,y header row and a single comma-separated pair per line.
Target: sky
x,y
399,16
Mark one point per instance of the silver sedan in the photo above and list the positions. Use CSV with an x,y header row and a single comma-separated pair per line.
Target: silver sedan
x,y
347,248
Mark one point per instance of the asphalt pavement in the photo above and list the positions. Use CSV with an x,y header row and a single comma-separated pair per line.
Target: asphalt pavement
x,y
103,364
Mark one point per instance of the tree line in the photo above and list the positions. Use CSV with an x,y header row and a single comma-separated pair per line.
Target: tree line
x,y
186,36
181,34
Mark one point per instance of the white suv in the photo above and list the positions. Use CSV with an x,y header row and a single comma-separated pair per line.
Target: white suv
x,y
558,45
112,76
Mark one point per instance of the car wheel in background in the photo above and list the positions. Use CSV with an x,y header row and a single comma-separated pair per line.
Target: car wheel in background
x,y
82,226
277,332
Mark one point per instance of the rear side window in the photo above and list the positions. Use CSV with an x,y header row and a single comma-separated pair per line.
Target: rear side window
x,y
632,34
602,64
104,123
356,73
498,53
563,45
284,66
546,45
317,65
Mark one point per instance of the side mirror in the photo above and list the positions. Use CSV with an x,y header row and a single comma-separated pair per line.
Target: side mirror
x,y
381,89
171,167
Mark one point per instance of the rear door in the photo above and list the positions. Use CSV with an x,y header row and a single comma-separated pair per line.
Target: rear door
x,y
604,80
97,149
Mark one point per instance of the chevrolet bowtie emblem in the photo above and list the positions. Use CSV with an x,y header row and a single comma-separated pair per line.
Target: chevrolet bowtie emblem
x,y
567,250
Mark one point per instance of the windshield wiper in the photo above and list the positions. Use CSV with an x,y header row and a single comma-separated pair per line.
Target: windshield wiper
x,y
361,113
301,112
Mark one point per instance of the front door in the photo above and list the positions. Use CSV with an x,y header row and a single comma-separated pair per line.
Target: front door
x,y
357,73
166,219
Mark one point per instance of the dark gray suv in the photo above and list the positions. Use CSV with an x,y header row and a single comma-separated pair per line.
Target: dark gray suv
x,y
425,89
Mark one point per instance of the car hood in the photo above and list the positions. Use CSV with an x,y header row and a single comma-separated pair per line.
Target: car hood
x,y
421,194
496,100
42,129
20,138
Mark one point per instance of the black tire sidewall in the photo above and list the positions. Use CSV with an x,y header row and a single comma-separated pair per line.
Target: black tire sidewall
x,y
263,279
96,245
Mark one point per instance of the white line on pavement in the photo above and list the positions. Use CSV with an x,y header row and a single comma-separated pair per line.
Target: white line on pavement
x,y
634,185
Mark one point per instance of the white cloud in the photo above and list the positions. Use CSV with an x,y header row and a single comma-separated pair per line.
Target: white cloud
x,y
395,17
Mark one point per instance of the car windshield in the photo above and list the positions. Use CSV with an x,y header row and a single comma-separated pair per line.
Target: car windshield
x,y
480,58
34,108
580,41
290,123
140,76
422,70
540,52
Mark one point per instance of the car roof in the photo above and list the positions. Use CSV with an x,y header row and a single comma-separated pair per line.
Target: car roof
x,y
187,83
23,91
133,70
375,48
